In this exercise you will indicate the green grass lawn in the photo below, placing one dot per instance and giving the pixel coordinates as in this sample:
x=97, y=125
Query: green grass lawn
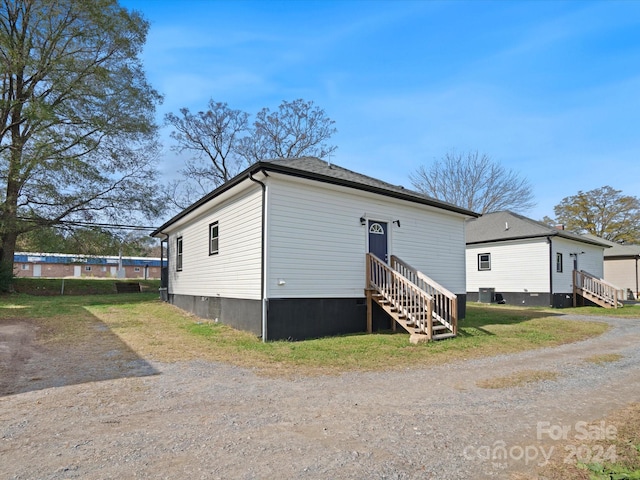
x=159, y=331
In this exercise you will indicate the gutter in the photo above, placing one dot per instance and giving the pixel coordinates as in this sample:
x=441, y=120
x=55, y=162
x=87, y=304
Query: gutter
x=264, y=167
x=263, y=269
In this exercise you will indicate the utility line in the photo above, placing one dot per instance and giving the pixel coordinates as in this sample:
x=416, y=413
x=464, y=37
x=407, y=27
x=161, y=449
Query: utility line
x=94, y=224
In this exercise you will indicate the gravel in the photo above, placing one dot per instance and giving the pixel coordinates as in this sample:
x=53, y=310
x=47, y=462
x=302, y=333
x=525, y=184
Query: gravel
x=210, y=420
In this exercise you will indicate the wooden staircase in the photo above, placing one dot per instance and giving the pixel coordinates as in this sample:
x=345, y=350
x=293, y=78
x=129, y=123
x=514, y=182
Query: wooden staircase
x=425, y=309
x=596, y=290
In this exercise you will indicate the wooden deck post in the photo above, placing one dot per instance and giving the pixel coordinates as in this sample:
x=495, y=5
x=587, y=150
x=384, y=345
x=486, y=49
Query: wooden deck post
x=430, y=320
x=454, y=315
x=575, y=299
x=368, y=293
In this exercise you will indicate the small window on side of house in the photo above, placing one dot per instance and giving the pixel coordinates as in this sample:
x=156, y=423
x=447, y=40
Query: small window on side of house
x=136, y=269
x=484, y=261
x=214, y=235
x=179, y=254
x=87, y=268
x=559, y=262
x=25, y=266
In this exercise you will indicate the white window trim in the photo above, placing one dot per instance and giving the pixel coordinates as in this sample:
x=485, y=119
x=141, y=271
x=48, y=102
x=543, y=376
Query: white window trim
x=214, y=226
x=480, y=262
x=179, y=253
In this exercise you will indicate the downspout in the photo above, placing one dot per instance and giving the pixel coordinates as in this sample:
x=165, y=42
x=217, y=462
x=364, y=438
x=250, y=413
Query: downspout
x=263, y=276
x=637, y=278
x=550, y=269
x=164, y=241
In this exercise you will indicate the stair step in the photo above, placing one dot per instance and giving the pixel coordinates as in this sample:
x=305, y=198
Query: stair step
x=442, y=336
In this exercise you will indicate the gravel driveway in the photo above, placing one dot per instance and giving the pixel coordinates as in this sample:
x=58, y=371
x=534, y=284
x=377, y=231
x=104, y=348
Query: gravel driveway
x=209, y=420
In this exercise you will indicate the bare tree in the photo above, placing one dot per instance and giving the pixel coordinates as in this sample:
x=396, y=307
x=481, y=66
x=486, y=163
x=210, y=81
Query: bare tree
x=222, y=143
x=475, y=182
x=213, y=138
x=296, y=129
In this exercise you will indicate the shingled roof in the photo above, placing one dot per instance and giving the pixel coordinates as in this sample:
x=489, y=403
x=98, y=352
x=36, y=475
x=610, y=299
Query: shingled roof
x=325, y=172
x=618, y=249
x=506, y=225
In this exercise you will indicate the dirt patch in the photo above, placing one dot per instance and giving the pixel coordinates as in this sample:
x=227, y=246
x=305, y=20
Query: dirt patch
x=95, y=409
x=30, y=360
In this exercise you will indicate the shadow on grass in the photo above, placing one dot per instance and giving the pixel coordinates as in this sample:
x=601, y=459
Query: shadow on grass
x=478, y=316
x=67, y=346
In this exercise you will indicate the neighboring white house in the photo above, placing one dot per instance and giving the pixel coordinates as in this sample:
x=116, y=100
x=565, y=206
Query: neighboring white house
x=280, y=249
x=621, y=267
x=525, y=262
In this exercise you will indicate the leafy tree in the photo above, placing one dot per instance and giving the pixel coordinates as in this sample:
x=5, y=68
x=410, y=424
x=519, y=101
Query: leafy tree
x=87, y=241
x=604, y=212
x=223, y=142
x=43, y=240
x=77, y=131
x=475, y=182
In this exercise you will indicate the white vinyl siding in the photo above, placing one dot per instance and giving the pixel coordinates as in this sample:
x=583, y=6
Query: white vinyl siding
x=526, y=265
x=317, y=243
x=516, y=266
x=590, y=259
x=235, y=272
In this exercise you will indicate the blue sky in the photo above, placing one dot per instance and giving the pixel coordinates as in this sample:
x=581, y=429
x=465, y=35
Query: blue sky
x=549, y=89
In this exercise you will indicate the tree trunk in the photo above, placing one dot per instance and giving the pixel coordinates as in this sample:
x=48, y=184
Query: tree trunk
x=7, y=249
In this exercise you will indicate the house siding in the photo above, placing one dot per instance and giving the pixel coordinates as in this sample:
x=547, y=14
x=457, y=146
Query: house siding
x=624, y=273
x=524, y=271
x=234, y=272
x=590, y=259
x=517, y=267
x=317, y=244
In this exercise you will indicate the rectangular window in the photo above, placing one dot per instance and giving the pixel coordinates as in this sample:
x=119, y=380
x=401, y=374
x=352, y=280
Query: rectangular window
x=25, y=266
x=104, y=269
x=87, y=268
x=484, y=261
x=559, y=262
x=179, y=254
x=136, y=269
x=213, y=238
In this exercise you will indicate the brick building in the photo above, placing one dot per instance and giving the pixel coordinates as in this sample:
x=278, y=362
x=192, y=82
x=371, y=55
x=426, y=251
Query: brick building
x=58, y=265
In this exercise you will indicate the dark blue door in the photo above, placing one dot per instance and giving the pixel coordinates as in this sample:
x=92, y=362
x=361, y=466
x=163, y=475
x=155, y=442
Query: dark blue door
x=378, y=239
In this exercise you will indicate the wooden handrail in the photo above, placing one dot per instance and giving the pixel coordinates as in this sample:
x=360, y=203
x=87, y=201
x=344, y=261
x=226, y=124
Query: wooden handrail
x=608, y=294
x=413, y=294
x=406, y=297
x=601, y=280
x=445, y=301
x=401, y=266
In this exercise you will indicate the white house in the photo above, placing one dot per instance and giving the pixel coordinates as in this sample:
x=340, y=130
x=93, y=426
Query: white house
x=280, y=249
x=525, y=262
